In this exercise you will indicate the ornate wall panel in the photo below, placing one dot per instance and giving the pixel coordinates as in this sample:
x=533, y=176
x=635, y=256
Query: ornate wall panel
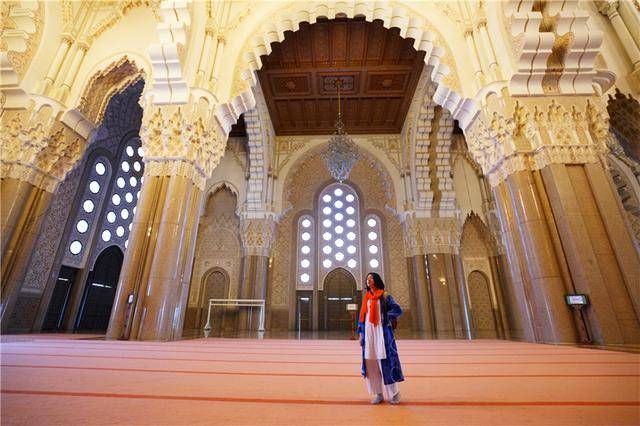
x=218, y=244
x=302, y=187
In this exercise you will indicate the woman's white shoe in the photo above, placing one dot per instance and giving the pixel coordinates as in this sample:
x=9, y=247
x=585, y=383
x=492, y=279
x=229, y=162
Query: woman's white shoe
x=378, y=399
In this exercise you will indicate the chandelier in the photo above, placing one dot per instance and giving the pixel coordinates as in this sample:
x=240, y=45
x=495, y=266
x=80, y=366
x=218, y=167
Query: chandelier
x=341, y=154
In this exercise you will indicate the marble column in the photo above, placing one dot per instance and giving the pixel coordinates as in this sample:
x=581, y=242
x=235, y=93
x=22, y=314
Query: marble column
x=421, y=295
x=446, y=313
x=538, y=260
x=23, y=209
x=463, y=296
x=610, y=10
x=588, y=246
x=152, y=293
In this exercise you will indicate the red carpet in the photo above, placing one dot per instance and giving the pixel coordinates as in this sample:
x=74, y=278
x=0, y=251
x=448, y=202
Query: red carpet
x=56, y=380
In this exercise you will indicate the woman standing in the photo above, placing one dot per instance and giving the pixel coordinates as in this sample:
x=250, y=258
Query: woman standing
x=380, y=362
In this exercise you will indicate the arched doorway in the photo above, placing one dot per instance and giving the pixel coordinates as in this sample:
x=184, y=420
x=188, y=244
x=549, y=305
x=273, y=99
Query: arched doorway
x=100, y=291
x=484, y=322
x=339, y=290
x=215, y=285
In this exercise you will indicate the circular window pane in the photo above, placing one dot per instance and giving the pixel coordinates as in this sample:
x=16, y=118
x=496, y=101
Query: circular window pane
x=305, y=249
x=75, y=247
x=372, y=236
x=326, y=236
x=326, y=249
x=100, y=169
x=133, y=181
x=129, y=197
x=306, y=223
x=140, y=152
x=373, y=249
x=306, y=236
x=338, y=192
x=350, y=210
x=326, y=198
x=124, y=213
x=339, y=216
x=126, y=244
x=351, y=223
x=304, y=278
x=125, y=166
x=351, y=236
x=134, y=210
x=339, y=243
x=326, y=210
x=120, y=231
x=351, y=263
x=115, y=199
x=305, y=263
x=326, y=223
x=130, y=225
x=82, y=226
x=138, y=194
x=371, y=222
x=350, y=198
x=338, y=204
x=339, y=256
x=130, y=151
x=137, y=166
x=88, y=206
x=326, y=263
x=94, y=187
x=373, y=263
x=339, y=229
x=106, y=235
x=111, y=217
x=120, y=182
x=351, y=249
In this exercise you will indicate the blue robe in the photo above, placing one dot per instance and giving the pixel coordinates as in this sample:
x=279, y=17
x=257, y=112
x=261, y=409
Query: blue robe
x=391, y=369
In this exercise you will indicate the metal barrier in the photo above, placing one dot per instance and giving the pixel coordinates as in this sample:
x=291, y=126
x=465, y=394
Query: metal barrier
x=236, y=302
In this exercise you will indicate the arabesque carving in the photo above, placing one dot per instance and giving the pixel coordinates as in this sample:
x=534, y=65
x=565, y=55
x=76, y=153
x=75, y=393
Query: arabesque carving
x=567, y=132
x=41, y=153
x=179, y=142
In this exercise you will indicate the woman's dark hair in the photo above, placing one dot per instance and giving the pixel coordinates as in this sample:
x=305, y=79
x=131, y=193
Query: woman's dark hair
x=377, y=280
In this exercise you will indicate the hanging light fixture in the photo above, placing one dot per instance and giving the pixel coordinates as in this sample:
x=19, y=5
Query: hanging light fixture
x=342, y=153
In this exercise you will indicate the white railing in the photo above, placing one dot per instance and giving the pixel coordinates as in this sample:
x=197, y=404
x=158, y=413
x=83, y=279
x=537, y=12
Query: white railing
x=237, y=302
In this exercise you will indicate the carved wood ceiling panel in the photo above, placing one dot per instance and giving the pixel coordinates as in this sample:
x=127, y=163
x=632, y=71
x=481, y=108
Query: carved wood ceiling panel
x=379, y=71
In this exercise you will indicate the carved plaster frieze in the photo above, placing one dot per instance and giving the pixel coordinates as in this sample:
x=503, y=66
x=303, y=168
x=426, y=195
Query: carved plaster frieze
x=179, y=142
x=571, y=132
x=426, y=235
x=22, y=24
x=258, y=235
x=38, y=151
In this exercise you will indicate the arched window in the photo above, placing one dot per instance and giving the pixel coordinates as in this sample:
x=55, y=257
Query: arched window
x=372, y=236
x=121, y=205
x=98, y=178
x=306, y=265
x=339, y=231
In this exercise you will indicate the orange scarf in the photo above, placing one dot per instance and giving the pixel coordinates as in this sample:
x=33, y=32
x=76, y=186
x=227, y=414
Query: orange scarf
x=374, y=317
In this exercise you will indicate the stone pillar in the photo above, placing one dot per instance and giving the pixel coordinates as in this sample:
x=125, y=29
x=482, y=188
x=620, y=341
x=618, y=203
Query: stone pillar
x=552, y=318
x=610, y=10
x=54, y=68
x=153, y=288
x=589, y=249
x=463, y=296
x=421, y=295
x=258, y=235
x=36, y=157
x=445, y=304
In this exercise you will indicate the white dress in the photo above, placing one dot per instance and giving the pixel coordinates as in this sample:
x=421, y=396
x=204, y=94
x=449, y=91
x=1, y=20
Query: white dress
x=373, y=352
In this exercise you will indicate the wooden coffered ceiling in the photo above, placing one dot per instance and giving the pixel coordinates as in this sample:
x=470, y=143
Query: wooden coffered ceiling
x=379, y=71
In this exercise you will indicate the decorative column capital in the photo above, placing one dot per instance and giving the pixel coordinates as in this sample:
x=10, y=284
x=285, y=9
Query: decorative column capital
x=41, y=153
x=177, y=141
x=258, y=235
x=529, y=134
x=609, y=8
x=425, y=235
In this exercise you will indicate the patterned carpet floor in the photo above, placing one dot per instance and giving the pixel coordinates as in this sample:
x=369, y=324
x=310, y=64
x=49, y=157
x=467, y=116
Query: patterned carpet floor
x=52, y=380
